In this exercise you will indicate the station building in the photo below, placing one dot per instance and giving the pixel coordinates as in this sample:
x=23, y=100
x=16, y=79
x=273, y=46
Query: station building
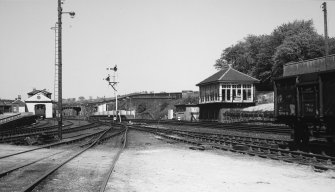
x=226, y=89
x=18, y=106
x=12, y=106
x=39, y=103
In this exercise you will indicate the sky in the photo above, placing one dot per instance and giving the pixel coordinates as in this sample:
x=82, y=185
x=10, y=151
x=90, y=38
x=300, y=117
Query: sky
x=158, y=45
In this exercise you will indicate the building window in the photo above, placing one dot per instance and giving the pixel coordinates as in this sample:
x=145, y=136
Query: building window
x=226, y=92
x=238, y=95
x=228, y=95
x=244, y=94
x=247, y=92
x=223, y=92
x=236, y=92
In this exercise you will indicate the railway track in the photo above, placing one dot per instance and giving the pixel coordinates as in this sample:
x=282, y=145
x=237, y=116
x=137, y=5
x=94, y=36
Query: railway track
x=33, y=129
x=53, y=144
x=250, y=146
x=245, y=126
x=49, y=131
x=229, y=137
x=69, y=153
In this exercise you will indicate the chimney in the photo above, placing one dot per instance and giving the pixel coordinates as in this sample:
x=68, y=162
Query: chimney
x=19, y=97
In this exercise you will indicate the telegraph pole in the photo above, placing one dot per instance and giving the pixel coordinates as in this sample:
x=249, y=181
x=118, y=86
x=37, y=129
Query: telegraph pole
x=60, y=114
x=59, y=62
x=324, y=8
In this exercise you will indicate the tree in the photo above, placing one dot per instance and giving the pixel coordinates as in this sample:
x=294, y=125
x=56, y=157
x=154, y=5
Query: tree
x=263, y=56
x=298, y=47
x=252, y=56
x=290, y=29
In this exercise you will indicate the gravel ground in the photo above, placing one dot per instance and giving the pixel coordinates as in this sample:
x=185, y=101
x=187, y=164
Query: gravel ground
x=152, y=164
x=19, y=179
x=85, y=172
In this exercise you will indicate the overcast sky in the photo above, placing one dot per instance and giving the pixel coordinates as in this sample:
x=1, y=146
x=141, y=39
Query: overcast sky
x=158, y=45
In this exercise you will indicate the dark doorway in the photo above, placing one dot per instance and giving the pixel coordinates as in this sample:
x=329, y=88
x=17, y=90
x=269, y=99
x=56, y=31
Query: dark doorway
x=40, y=110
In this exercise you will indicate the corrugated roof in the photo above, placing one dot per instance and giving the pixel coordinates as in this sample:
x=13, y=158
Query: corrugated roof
x=229, y=75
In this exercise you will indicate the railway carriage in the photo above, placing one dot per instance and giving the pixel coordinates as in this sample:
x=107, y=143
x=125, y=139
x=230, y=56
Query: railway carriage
x=305, y=99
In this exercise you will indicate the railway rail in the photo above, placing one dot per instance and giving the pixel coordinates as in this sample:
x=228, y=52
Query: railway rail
x=107, y=176
x=265, y=149
x=89, y=142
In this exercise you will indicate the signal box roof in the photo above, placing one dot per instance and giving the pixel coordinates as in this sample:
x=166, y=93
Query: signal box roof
x=229, y=75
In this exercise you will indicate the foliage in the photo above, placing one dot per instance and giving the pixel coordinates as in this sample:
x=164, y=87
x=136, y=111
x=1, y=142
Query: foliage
x=141, y=108
x=163, y=106
x=263, y=56
x=296, y=48
x=81, y=98
x=191, y=100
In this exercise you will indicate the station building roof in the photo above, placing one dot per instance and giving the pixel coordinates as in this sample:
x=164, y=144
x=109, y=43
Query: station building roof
x=19, y=103
x=229, y=75
x=44, y=92
x=35, y=91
